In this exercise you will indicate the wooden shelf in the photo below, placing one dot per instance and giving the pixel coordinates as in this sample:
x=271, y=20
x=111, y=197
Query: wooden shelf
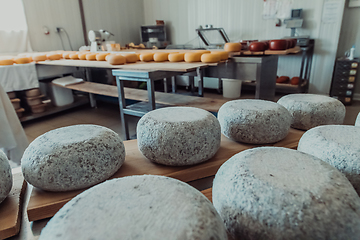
x=79, y=101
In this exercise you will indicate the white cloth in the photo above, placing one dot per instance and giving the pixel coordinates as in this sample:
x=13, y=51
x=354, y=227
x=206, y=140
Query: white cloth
x=18, y=77
x=12, y=136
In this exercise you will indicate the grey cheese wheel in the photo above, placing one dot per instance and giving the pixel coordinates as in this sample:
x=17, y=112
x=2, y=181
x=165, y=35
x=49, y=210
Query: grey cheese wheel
x=73, y=157
x=135, y=208
x=312, y=110
x=5, y=176
x=178, y=136
x=357, y=121
x=337, y=145
x=280, y=193
x=254, y=121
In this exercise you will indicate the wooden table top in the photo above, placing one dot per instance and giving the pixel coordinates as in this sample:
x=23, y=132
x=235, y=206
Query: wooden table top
x=43, y=204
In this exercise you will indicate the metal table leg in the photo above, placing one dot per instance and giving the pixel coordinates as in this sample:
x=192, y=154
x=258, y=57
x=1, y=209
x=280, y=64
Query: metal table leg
x=200, y=74
x=165, y=85
x=151, y=93
x=122, y=105
x=173, y=84
x=191, y=83
x=91, y=96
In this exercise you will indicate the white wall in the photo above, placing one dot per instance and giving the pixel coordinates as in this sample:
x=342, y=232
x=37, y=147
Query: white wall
x=242, y=19
x=121, y=17
x=54, y=13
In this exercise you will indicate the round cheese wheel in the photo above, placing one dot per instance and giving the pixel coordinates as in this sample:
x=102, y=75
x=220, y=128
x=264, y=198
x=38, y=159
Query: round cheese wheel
x=5, y=176
x=311, y=110
x=232, y=47
x=146, y=57
x=107, y=56
x=254, y=121
x=22, y=60
x=161, y=57
x=203, y=51
x=295, y=81
x=73, y=157
x=223, y=54
x=178, y=136
x=280, y=193
x=176, y=57
x=39, y=57
x=6, y=62
x=138, y=56
x=53, y=56
x=137, y=207
x=337, y=145
x=74, y=56
x=131, y=57
x=357, y=121
x=66, y=55
x=210, y=58
x=114, y=59
x=82, y=55
x=101, y=56
x=282, y=79
x=192, y=57
x=91, y=56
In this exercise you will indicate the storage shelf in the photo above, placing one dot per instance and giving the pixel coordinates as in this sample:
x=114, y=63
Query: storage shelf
x=79, y=101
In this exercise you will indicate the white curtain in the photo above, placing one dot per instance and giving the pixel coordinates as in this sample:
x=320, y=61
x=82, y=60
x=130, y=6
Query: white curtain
x=13, y=28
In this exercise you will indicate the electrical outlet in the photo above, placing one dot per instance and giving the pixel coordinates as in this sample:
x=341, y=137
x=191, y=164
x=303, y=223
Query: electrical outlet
x=58, y=29
x=46, y=30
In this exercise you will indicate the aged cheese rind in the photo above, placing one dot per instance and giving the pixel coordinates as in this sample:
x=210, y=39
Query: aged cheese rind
x=254, y=121
x=337, y=145
x=73, y=157
x=311, y=110
x=5, y=177
x=178, y=136
x=137, y=208
x=279, y=193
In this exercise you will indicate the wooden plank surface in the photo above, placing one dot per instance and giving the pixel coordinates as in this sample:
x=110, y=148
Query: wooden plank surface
x=43, y=204
x=208, y=193
x=11, y=208
x=209, y=104
x=147, y=66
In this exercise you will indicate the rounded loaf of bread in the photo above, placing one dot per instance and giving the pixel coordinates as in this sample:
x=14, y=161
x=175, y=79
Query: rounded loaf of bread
x=311, y=110
x=178, y=136
x=5, y=176
x=139, y=208
x=337, y=145
x=280, y=193
x=72, y=157
x=254, y=121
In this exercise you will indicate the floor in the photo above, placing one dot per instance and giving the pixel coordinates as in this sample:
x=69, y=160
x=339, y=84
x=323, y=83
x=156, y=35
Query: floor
x=107, y=115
